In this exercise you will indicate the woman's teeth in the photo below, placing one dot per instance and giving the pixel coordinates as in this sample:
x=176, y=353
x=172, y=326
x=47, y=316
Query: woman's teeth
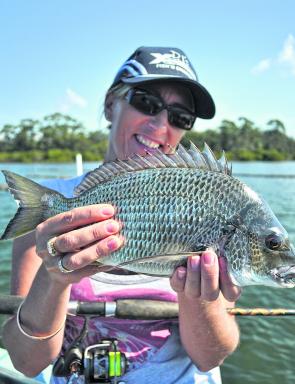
x=147, y=142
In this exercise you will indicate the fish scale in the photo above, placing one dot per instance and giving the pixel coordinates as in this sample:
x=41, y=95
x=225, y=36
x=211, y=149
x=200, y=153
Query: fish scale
x=158, y=195
x=172, y=206
x=170, y=190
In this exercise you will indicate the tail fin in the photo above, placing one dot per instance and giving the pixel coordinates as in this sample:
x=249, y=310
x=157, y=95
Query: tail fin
x=31, y=207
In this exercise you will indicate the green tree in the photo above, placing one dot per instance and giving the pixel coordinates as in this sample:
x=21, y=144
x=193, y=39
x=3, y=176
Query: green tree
x=7, y=133
x=275, y=138
x=277, y=125
x=249, y=138
x=60, y=131
x=229, y=133
x=25, y=136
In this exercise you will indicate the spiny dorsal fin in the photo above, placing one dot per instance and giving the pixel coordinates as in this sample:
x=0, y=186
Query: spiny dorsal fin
x=181, y=158
x=210, y=158
x=224, y=164
x=197, y=157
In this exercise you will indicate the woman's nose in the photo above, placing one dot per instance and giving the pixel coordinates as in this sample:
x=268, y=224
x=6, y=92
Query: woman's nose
x=160, y=121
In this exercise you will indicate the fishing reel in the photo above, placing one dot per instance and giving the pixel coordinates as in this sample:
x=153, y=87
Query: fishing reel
x=99, y=363
x=103, y=363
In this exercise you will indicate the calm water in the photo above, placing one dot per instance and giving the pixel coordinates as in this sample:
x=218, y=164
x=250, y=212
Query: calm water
x=267, y=347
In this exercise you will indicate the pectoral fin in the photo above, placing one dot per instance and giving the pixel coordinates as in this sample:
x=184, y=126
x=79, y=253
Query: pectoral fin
x=169, y=257
x=173, y=259
x=158, y=265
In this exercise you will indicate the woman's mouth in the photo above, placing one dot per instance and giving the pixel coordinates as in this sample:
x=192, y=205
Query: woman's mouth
x=147, y=142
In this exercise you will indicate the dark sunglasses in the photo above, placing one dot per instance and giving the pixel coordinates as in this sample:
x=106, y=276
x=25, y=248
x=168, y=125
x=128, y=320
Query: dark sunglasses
x=151, y=104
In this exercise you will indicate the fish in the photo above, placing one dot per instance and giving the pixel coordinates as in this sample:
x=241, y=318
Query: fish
x=172, y=206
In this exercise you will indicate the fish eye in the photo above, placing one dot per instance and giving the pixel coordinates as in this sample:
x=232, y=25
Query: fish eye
x=274, y=241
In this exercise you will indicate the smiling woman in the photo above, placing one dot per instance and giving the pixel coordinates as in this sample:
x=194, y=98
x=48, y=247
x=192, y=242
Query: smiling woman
x=158, y=95
x=154, y=99
x=149, y=130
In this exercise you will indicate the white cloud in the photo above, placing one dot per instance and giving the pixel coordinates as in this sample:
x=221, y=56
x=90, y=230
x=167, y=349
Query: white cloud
x=287, y=55
x=71, y=100
x=262, y=66
x=75, y=99
x=285, y=58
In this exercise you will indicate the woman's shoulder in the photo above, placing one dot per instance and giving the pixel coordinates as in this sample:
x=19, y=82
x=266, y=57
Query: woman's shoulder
x=64, y=186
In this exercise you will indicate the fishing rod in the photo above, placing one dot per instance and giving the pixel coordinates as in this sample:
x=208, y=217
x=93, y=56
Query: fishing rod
x=139, y=309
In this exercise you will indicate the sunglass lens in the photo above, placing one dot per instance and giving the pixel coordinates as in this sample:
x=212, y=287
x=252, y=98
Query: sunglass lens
x=146, y=103
x=181, y=119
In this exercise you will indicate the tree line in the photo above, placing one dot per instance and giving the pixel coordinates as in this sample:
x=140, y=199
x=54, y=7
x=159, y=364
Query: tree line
x=58, y=137
x=55, y=138
x=245, y=141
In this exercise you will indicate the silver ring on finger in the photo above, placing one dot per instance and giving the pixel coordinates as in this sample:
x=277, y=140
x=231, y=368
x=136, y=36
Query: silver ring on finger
x=51, y=247
x=61, y=267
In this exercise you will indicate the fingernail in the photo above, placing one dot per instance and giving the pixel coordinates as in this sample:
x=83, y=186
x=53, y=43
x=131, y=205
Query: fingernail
x=112, y=227
x=208, y=258
x=181, y=273
x=195, y=262
x=112, y=244
x=108, y=210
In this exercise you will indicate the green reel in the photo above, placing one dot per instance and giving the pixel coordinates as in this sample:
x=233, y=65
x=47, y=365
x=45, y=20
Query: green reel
x=103, y=363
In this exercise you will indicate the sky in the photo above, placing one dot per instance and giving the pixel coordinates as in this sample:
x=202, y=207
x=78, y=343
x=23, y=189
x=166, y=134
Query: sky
x=62, y=55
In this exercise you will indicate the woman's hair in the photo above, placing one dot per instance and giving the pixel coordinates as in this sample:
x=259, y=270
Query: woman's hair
x=118, y=91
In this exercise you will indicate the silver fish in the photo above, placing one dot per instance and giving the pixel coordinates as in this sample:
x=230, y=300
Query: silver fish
x=172, y=206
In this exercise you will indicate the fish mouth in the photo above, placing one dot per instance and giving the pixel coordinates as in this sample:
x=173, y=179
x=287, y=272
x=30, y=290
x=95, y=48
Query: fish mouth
x=284, y=275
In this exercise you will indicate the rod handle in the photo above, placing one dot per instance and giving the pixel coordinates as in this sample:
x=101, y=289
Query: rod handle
x=146, y=309
x=9, y=304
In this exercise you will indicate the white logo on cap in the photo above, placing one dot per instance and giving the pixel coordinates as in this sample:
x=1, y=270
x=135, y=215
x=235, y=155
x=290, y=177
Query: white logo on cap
x=173, y=60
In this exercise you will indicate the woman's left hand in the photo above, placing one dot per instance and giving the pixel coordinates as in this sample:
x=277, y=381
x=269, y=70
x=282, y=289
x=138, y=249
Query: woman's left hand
x=205, y=291
x=205, y=276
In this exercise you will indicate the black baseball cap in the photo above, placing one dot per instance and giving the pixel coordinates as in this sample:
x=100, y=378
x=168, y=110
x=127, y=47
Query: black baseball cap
x=152, y=64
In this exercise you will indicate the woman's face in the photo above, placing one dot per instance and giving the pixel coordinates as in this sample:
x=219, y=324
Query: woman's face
x=133, y=132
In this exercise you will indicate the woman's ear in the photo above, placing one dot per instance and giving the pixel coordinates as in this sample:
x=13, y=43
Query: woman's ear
x=108, y=107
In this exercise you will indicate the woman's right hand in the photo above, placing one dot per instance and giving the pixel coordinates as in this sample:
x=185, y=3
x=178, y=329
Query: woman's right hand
x=81, y=236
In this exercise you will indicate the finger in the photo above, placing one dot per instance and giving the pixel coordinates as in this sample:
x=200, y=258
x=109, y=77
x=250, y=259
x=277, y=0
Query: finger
x=78, y=260
x=193, y=279
x=82, y=237
x=230, y=291
x=77, y=217
x=76, y=276
x=209, y=276
x=177, y=280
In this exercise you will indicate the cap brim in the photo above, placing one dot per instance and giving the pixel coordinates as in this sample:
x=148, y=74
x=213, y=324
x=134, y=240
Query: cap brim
x=205, y=107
